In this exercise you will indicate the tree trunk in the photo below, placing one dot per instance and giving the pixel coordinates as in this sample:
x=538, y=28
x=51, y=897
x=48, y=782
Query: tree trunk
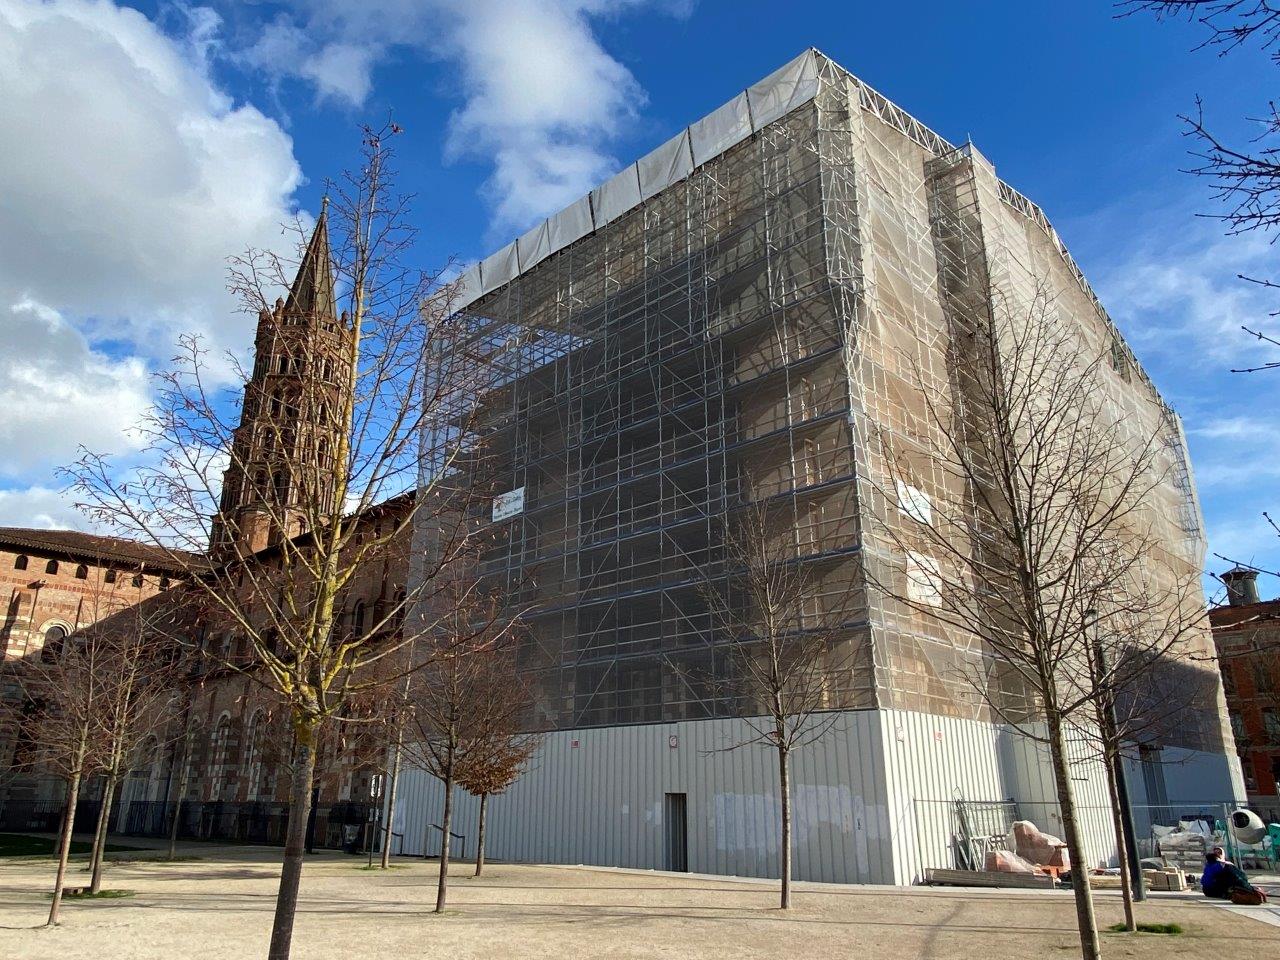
x=446, y=821
x=295, y=842
x=1090, y=948
x=177, y=816
x=484, y=803
x=100, y=835
x=784, y=789
x=64, y=847
x=392, y=779
x=1117, y=824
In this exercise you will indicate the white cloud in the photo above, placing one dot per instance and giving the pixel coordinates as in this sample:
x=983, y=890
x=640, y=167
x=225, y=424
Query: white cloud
x=1237, y=452
x=59, y=394
x=542, y=97
x=1171, y=281
x=1177, y=288
x=39, y=507
x=127, y=176
x=340, y=71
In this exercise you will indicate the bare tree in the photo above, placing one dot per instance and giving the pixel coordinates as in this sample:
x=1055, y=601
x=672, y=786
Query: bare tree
x=316, y=477
x=497, y=753
x=1230, y=23
x=142, y=665
x=780, y=619
x=1149, y=681
x=400, y=716
x=56, y=725
x=1039, y=518
x=460, y=694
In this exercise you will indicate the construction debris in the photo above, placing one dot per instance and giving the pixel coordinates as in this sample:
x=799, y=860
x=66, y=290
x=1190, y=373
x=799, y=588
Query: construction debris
x=1039, y=848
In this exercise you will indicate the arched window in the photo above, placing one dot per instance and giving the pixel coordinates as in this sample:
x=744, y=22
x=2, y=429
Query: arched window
x=143, y=772
x=137, y=579
x=51, y=566
x=220, y=754
x=255, y=738
x=282, y=364
x=82, y=572
x=54, y=638
x=109, y=576
x=357, y=619
x=193, y=757
x=281, y=484
x=20, y=562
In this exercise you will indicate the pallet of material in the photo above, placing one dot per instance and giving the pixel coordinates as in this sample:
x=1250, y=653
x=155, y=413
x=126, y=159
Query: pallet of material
x=1104, y=881
x=937, y=876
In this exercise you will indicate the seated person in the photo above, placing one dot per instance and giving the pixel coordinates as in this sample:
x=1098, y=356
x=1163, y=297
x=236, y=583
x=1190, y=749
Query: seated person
x=1223, y=880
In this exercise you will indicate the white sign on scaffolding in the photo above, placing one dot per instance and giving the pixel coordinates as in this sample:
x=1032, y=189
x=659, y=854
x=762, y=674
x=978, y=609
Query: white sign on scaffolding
x=508, y=504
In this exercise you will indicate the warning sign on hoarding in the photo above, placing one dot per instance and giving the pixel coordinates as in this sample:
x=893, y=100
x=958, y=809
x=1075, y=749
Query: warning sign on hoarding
x=508, y=504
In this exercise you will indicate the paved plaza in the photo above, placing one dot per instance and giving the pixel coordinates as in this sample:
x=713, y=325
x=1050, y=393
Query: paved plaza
x=219, y=906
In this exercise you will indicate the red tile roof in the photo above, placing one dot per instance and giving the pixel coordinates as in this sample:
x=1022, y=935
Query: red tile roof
x=98, y=549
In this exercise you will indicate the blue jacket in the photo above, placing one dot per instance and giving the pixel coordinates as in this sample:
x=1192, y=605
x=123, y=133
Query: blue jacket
x=1219, y=879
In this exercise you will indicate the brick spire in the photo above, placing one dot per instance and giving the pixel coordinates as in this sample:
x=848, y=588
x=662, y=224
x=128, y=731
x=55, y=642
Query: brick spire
x=280, y=478
x=312, y=291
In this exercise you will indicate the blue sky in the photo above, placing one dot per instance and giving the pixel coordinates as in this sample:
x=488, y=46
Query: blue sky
x=185, y=132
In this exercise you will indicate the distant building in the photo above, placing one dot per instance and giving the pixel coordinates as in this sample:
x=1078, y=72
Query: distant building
x=1246, y=632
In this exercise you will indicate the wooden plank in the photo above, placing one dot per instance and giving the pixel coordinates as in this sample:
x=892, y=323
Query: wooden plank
x=986, y=878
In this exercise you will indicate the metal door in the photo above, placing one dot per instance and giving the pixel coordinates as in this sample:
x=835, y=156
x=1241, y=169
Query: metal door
x=677, y=831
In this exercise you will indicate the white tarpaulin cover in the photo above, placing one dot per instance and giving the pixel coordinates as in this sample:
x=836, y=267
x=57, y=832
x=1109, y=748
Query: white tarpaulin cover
x=534, y=246
x=616, y=196
x=572, y=223
x=720, y=129
x=776, y=95
x=783, y=90
x=669, y=164
x=469, y=284
x=499, y=268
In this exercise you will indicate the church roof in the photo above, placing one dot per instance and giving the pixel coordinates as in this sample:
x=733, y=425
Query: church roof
x=96, y=549
x=312, y=291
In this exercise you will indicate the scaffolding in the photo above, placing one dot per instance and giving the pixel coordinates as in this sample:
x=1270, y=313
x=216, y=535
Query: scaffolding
x=728, y=321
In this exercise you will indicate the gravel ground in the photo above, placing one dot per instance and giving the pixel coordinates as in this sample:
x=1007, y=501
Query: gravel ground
x=220, y=907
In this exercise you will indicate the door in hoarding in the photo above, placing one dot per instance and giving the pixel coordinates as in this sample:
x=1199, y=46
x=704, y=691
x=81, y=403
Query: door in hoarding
x=677, y=831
